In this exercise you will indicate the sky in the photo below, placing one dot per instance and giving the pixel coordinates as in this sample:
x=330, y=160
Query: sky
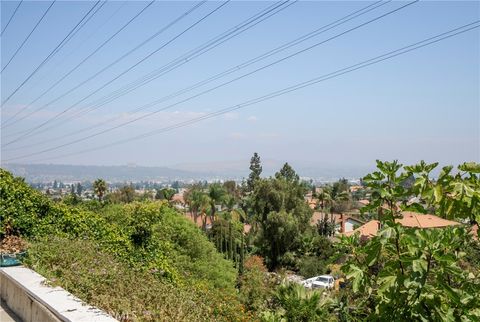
x=421, y=105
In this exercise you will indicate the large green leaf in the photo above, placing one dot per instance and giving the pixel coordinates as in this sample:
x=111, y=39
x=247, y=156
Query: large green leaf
x=472, y=167
x=357, y=275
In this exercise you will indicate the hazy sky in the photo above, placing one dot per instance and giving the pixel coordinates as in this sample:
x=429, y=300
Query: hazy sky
x=421, y=105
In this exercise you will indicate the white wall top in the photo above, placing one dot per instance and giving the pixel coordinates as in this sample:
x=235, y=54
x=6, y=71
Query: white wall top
x=62, y=304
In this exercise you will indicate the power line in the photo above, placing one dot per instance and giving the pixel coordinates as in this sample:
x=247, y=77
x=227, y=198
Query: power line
x=64, y=59
x=153, y=36
x=216, y=40
x=53, y=52
x=64, y=111
x=124, y=72
x=11, y=17
x=209, y=45
x=249, y=62
x=247, y=74
x=81, y=62
x=337, y=73
x=340, y=72
x=28, y=36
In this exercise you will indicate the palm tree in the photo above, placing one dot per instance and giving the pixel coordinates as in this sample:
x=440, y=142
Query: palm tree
x=298, y=304
x=198, y=202
x=203, y=203
x=99, y=188
x=217, y=193
x=324, y=197
x=338, y=199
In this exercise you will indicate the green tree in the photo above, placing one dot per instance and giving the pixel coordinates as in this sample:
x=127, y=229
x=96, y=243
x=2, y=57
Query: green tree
x=216, y=194
x=165, y=194
x=80, y=189
x=231, y=188
x=255, y=171
x=282, y=215
x=254, y=288
x=127, y=193
x=99, y=188
x=340, y=186
x=198, y=202
x=324, y=198
x=287, y=173
x=417, y=274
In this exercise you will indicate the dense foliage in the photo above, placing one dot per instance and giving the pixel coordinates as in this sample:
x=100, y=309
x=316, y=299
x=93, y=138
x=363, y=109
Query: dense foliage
x=233, y=263
x=148, y=238
x=281, y=214
x=418, y=274
x=83, y=268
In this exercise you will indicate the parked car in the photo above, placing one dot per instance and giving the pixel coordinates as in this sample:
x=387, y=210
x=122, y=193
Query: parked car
x=322, y=281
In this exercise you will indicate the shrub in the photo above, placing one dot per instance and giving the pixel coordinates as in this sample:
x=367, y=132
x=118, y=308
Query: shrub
x=255, y=288
x=83, y=268
x=296, y=304
x=153, y=259
x=310, y=266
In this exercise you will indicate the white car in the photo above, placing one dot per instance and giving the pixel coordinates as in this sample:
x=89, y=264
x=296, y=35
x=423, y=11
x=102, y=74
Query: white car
x=322, y=281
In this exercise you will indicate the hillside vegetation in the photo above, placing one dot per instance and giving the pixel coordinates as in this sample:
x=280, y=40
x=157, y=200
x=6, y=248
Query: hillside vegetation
x=134, y=255
x=139, y=261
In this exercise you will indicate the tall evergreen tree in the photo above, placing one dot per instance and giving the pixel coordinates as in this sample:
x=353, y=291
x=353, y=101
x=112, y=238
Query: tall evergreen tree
x=256, y=170
x=79, y=189
x=287, y=173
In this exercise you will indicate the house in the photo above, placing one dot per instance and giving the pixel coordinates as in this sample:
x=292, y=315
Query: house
x=408, y=219
x=178, y=201
x=312, y=202
x=355, y=188
x=178, y=198
x=343, y=223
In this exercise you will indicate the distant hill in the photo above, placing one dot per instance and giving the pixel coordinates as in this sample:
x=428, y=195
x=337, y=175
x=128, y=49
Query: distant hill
x=184, y=172
x=66, y=173
x=306, y=169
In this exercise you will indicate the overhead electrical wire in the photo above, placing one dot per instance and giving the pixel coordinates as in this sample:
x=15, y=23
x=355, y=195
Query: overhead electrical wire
x=11, y=17
x=81, y=62
x=59, y=64
x=337, y=73
x=178, y=62
x=28, y=36
x=257, y=16
x=245, y=75
x=144, y=42
x=249, y=62
x=53, y=52
x=264, y=14
x=125, y=71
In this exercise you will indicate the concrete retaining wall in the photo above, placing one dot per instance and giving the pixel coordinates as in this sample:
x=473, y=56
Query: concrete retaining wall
x=25, y=293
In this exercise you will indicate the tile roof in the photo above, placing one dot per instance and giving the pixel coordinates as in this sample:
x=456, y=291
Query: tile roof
x=178, y=197
x=367, y=230
x=413, y=219
x=317, y=215
x=409, y=219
